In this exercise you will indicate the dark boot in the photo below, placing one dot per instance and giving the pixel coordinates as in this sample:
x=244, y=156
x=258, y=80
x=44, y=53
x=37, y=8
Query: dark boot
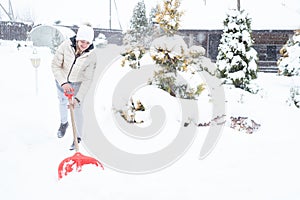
x=62, y=130
x=73, y=144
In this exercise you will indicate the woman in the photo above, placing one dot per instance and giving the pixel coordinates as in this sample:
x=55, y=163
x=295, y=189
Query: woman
x=73, y=67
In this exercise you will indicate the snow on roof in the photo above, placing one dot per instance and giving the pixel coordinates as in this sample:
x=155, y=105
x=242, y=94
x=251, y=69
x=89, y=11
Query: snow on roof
x=64, y=31
x=49, y=35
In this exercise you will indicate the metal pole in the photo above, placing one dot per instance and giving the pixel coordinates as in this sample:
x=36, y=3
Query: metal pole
x=35, y=61
x=36, y=81
x=238, y=5
x=109, y=14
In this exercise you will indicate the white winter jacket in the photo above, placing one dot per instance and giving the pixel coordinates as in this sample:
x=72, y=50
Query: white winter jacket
x=69, y=69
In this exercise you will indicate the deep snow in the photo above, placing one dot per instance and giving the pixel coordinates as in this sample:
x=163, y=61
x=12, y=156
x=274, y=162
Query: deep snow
x=263, y=165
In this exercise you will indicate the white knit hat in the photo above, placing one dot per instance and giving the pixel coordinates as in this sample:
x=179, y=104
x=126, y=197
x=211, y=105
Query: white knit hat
x=85, y=33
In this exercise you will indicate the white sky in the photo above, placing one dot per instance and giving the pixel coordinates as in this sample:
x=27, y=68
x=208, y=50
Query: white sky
x=278, y=14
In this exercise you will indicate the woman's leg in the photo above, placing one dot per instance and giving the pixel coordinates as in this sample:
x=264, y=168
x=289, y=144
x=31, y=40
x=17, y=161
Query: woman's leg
x=63, y=111
x=63, y=104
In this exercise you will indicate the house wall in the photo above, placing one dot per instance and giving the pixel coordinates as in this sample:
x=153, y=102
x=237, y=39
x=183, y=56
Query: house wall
x=266, y=42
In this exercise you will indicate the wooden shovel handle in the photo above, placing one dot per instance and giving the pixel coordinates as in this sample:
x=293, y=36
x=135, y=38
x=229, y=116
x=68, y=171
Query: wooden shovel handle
x=71, y=107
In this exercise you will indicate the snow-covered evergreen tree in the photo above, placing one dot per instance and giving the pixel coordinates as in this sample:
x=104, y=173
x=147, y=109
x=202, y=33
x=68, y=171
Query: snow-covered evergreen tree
x=237, y=59
x=289, y=62
x=139, y=21
x=138, y=25
x=137, y=37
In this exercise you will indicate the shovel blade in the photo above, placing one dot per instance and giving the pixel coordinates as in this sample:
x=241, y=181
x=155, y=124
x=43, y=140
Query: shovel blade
x=76, y=162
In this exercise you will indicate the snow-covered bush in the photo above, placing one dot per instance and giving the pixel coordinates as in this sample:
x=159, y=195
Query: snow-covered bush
x=170, y=52
x=175, y=63
x=199, y=61
x=237, y=59
x=100, y=40
x=294, y=98
x=134, y=112
x=289, y=65
x=289, y=62
x=170, y=56
x=132, y=56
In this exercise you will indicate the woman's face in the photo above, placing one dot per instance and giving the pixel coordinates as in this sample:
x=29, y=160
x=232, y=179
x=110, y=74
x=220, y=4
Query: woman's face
x=83, y=45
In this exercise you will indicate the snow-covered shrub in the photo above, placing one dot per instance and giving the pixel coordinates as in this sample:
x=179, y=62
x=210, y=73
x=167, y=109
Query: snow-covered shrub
x=237, y=59
x=170, y=52
x=294, y=96
x=100, y=40
x=199, y=61
x=289, y=62
x=170, y=55
x=132, y=56
x=134, y=112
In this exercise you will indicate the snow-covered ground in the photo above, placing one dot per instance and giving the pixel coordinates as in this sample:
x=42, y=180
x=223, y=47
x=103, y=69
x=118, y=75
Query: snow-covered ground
x=263, y=165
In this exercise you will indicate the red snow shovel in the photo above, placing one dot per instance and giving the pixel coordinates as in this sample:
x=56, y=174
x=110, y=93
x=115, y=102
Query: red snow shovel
x=77, y=160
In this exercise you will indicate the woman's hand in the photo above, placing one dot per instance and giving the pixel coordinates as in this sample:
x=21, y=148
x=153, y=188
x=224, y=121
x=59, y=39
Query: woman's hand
x=75, y=102
x=67, y=88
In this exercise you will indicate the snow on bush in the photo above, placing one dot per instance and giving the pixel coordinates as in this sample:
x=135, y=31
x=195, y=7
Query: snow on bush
x=289, y=62
x=289, y=65
x=100, y=41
